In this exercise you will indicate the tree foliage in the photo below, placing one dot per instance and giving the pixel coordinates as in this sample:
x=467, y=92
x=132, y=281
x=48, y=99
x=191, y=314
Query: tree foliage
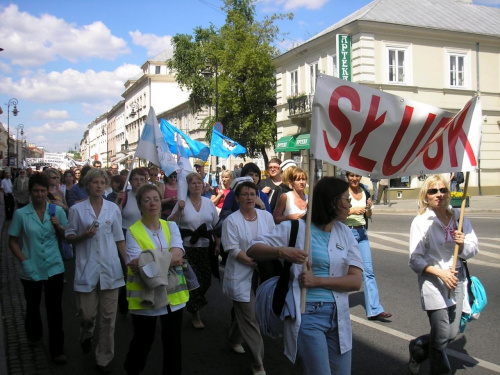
x=241, y=53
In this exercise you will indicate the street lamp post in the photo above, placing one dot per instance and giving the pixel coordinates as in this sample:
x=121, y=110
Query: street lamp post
x=19, y=127
x=208, y=75
x=12, y=102
x=133, y=113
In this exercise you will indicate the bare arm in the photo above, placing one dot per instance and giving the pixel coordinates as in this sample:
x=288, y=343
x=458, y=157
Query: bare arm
x=243, y=258
x=122, y=250
x=261, y=252
x=175, y=216
x=348, y=283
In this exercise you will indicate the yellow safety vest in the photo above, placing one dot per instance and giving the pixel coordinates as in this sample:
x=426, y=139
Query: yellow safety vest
x=179, y=295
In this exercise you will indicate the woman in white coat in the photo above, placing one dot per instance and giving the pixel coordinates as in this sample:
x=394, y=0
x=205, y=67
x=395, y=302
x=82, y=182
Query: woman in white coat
x=433, y=236
x=238, y=230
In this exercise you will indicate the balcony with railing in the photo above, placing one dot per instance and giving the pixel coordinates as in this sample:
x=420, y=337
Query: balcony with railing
x=300, y=106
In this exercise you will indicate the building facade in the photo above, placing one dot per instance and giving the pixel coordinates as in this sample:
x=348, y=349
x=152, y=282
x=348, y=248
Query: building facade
x=437, y=52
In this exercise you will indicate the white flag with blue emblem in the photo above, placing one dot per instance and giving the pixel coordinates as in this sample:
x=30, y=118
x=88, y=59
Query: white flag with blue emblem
x=153, y=146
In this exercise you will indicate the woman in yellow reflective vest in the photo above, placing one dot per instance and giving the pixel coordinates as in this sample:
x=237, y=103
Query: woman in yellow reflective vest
x=151, y=233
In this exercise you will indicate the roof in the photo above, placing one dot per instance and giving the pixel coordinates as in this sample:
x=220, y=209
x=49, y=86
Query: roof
x=450, y=15
x=164, y=56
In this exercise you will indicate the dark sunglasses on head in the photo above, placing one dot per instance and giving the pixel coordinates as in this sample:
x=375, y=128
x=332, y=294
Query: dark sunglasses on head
x=435, y=191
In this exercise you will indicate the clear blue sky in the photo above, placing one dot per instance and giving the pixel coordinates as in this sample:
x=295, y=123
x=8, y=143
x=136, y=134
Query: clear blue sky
x=67, y=61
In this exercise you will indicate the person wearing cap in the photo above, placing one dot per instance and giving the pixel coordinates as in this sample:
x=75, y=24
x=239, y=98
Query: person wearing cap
x=261, y=201
x=273, y=186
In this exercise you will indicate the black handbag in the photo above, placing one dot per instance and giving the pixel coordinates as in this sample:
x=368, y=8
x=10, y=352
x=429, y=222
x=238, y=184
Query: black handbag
x=282, y=285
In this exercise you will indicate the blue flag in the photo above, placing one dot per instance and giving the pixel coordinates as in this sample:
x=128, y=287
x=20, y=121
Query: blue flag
x=192, y=148
x=223, y=146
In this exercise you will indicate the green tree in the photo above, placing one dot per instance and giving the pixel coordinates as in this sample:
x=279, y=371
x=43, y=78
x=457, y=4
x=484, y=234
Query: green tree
x=241, y=53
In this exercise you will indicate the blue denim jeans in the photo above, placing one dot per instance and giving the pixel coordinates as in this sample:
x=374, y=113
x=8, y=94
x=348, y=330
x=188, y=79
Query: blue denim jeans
x=445, y=325
x=372, y=300
x=318, y=341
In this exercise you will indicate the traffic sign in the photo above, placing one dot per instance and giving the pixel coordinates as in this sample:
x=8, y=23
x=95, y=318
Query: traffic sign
x=219, y=127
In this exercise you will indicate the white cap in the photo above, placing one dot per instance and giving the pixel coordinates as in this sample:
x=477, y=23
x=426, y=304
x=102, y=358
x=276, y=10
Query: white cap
x=287, y=164
x=239, y=180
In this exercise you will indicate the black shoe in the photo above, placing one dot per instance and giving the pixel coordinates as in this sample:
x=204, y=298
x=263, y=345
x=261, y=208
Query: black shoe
x=383, y=316
x=86, y=345
x=104, y=369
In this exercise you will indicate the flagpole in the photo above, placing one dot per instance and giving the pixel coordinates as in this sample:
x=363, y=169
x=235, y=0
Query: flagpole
x=460, y=223
x=307, y=240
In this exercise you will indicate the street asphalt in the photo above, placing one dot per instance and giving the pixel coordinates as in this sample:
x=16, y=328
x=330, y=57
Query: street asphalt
x=17, y=357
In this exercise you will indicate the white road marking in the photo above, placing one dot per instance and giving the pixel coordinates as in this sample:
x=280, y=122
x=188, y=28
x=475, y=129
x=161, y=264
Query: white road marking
x=462, y=356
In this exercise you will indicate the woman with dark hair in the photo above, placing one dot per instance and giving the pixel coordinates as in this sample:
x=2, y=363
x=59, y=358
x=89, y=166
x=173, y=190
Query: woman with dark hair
x=360, y=203
x=127, y=200
x=273, y=186
x=237, y=232
x=78, y=192
x=69, y=180
x=170, y=195
x=94, y=228
x=261, y=201
x=42, y=265
x=162, y=239
x=433, y=236
x=196, y=217
x=117, y=183
x=321, y=337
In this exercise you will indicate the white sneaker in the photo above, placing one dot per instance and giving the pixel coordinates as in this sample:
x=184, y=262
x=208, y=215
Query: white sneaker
x=413, y=365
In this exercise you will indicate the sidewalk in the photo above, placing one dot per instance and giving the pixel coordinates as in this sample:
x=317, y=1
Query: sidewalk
x=17, y=357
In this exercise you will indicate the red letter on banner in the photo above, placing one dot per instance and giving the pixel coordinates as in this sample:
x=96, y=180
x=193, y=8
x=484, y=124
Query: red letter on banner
x=371, y=123
x=388, y=168
x=339, y=120
x=435, y=162
x=455, y=131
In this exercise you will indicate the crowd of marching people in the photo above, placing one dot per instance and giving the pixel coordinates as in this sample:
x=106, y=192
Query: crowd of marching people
x=143, y=247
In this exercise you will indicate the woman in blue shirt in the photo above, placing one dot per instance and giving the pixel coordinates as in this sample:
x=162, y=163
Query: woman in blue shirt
x=42, y=265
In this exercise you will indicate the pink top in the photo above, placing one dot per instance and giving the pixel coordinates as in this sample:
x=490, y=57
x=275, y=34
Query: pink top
x=167, y=207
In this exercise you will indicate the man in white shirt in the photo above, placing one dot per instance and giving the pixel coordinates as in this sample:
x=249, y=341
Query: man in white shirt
x=6, y=187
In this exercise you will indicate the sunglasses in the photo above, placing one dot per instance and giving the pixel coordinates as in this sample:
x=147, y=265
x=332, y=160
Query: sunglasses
x=435, y=191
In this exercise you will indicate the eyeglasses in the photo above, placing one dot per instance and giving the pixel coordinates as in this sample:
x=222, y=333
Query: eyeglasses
x=347, y=199
x=149, y=201
x=273, y=167
x=435, y=191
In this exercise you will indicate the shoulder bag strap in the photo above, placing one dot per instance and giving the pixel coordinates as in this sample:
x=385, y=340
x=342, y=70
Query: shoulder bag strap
x=281, y=289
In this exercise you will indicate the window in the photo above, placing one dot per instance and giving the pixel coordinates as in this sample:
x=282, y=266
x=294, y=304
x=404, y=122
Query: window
x=157, y=69
x=398, y=64
x=294, y=83
x=335, y=73
x=457, y=73
x=313, y=74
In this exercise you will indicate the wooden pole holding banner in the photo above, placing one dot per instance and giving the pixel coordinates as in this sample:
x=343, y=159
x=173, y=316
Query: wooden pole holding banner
x=460, y=223
x=307, y=239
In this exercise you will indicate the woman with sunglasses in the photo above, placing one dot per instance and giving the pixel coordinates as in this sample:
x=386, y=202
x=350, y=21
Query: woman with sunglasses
x=169, y=195
x=360, y=203
x=433, y=236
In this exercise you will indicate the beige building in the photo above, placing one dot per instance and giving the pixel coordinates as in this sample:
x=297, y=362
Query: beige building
x=437, y=52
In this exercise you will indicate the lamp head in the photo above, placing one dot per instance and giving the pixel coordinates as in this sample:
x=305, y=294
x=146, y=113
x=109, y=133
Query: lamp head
x=15, y=111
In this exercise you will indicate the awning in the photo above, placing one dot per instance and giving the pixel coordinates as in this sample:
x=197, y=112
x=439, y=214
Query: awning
x=285, y=144
x=302, y=142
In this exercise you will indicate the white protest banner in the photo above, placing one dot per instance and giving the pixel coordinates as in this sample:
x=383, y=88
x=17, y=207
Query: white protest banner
x=367, y=131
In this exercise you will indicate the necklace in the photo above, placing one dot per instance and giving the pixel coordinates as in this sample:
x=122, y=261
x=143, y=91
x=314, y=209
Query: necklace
x=196, y=204
x=154, y=227
x=250, y=218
